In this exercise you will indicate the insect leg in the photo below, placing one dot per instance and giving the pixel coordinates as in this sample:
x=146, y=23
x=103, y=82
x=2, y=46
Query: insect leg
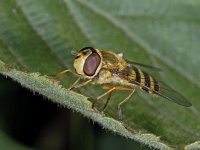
x=122, y=102
x=75, y=85
x=71, y=87
x=107, y=92
x=106, y=104
x=100, y=96
x=108, y=86
x=60, y=74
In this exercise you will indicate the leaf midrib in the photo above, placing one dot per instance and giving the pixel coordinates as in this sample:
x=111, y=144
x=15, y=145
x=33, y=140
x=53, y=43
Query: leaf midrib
x=40, y=36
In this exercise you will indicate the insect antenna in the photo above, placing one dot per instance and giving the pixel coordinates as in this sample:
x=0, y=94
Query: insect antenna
x=74, y=52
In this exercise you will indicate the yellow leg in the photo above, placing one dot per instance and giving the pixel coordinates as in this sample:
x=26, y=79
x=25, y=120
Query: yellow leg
x=107, y=101
x=109, y=92
x=75, y=85
x=100, y=96
x=122, y=102
x=72, y=86
x=60, y=74
x=108, y=86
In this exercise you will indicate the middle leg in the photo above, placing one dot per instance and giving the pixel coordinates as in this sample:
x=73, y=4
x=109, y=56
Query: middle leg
x=109, y=92
x=100, y=96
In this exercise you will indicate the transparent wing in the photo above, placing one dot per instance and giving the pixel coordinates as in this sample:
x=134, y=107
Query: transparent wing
x=144, y=65
x=172, y=95
x=166, y=92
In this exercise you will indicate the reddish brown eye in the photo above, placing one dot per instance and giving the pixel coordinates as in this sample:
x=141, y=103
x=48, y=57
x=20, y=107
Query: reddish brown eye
x=91, y=64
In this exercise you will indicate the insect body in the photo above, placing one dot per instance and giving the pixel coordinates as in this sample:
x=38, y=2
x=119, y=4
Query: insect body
x=113, y=72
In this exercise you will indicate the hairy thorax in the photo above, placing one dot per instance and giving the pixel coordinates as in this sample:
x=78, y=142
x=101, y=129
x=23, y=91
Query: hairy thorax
x=112, y=70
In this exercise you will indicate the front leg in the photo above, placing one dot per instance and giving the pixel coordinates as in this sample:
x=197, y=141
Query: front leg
x=75, y=85
x=60, y=74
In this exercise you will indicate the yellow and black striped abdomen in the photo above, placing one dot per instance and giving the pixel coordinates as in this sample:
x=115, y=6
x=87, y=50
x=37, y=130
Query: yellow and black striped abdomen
x=143, y=80
x=152, y=86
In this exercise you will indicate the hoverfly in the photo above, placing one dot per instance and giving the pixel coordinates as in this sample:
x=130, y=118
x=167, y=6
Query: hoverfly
x=113, y=72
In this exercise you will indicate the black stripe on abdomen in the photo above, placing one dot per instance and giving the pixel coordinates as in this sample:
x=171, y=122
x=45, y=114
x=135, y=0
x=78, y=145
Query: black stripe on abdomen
x=137, y=74
x=147, y=82
x=156, y=86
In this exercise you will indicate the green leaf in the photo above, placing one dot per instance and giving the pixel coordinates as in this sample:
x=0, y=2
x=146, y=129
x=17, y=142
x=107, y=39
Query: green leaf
x=37, y=36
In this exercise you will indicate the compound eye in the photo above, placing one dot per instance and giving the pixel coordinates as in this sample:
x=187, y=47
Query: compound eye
x=91, y=64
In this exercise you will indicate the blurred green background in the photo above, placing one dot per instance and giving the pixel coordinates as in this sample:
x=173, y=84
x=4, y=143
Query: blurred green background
x=38, y=36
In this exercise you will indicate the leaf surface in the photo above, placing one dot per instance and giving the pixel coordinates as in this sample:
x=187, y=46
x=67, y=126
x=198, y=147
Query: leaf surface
x=37, y=36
